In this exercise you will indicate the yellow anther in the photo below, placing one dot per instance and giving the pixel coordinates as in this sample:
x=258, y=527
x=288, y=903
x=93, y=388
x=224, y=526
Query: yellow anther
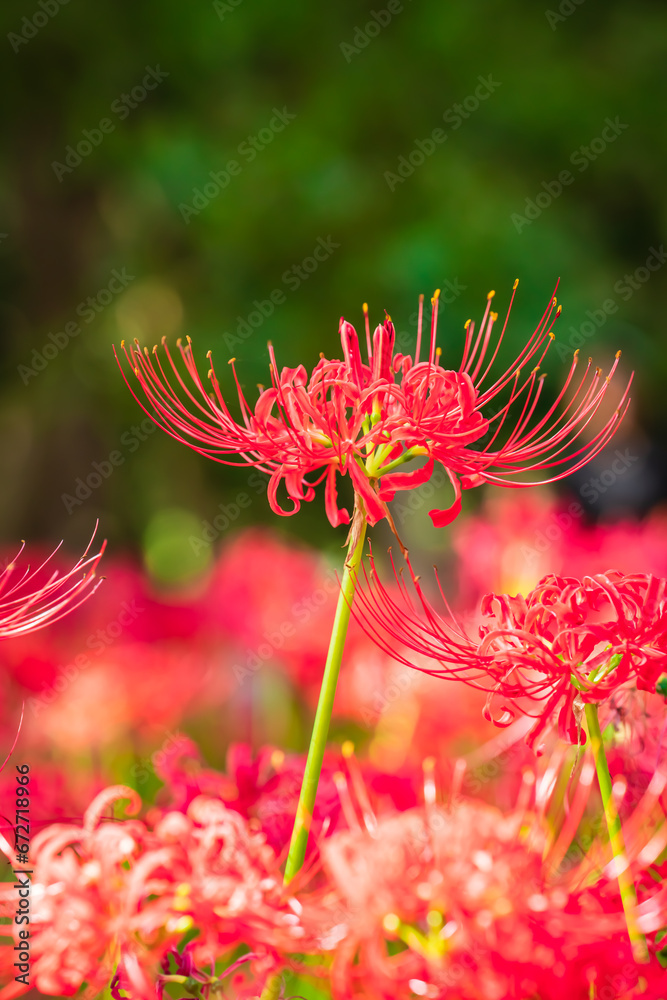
x=436, y=295
x=438, y=352
x=182, y=924
x=494, y=317
x=208, y=354
x=515, y=285
x=388, y=319
x=179, y=342
x=559, y=310
x=164, y=341
x=490, y=295
x=347, y=749
x=122, y=345
x=467, y=324
x=552, y=334
x=421, y=298
x=231, y=361
x=184, y=889
x=365, y=308
x=618, y=354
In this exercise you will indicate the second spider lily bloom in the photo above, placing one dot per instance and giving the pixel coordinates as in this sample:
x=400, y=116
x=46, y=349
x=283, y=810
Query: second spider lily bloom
x=568, y=643
x=366, y=419
x=31, y=598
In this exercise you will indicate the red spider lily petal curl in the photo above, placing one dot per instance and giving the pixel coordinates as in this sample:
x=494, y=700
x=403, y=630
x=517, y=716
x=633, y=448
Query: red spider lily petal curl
x=368, y=419
x=566, y=643
x=32, y=598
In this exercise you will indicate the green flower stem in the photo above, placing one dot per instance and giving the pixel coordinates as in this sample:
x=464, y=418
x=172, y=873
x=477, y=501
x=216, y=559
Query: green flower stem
x=272, y=989
x=311, y=777
x=625, y=883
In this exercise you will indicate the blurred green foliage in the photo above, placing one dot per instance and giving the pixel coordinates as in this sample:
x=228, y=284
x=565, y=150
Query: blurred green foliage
x=361, y=97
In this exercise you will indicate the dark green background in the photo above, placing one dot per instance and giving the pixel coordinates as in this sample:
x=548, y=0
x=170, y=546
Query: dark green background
x=322, y=176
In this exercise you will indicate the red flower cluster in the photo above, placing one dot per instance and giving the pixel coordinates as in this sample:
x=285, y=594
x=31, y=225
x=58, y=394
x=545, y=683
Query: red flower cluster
x=567, y=643
x=368, y=419
x=436, y=902
x=117, y=896
x=406, y=900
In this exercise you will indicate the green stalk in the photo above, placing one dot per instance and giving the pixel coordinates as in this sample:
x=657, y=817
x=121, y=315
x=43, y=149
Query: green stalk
x=272, y=989
x=311, y=777
x=625, y=883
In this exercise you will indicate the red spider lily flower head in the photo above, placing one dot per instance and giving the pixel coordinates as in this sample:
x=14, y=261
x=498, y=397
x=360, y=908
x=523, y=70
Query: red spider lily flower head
x=437, y=902
x=566, y=643
x=472, y=902
x=114, y=897
x=32, y=598
x=367, y=419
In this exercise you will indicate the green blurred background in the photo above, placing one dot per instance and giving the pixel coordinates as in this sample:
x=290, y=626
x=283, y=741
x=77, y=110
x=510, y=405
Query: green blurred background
x=362, y=88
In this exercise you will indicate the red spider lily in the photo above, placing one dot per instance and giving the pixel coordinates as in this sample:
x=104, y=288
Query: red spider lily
x=117, y=897
x=367, y=420
x=29, y=602
x=568, y=642
x=435, y=902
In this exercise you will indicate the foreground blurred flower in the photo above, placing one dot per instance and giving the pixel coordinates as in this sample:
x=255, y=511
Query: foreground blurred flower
x=358, y=418
x=457, y=901
x=116, y=897
x=30, y=599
